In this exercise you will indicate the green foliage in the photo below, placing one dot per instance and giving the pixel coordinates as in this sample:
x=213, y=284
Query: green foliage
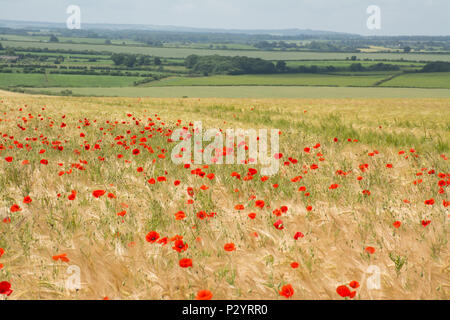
x=438, y=66
x=228, y=65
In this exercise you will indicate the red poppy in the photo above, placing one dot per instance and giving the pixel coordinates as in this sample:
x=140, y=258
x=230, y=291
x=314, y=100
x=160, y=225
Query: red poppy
x=2, y=252
x=279, y=225
x=286, y=291
x=62, y=257
x=9, y=159
x=204, y=295
x=298, y=235
x=239, y=207
x=180, y=246
x=98, y=193
x=397, y=224
x=185, y=263
x=229, y=247
x=5, y=288
x=294, y=265
x=180, y=215
x=343, y=291
x=15, y=208
x=429, y=202
x=354, y=284
x=426, y=222
x=152, y=236
x=252, y=215
x=370, y=250
x=27, y=200
x=259, y=203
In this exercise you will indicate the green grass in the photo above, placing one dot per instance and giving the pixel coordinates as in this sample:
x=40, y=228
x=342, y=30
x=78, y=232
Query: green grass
x=268, y=55
x=63, y=80
x=421, y=80
x=256, y=92
x=273, y=80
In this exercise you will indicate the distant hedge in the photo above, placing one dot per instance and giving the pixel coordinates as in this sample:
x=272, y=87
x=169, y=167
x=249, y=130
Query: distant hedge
x=437, y=67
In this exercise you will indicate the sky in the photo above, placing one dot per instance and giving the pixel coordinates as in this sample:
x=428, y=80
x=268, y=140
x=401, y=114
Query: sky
x=398, y=17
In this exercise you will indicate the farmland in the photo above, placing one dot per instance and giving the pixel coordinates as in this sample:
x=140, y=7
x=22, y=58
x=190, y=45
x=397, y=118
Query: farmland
x=89, y=182
x=184, y=52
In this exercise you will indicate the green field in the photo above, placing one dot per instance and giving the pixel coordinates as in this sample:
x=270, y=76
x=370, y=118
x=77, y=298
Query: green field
x=299, y=79
x=255, y=92
x=267, y=55
x=63, y=80
x=421, y=80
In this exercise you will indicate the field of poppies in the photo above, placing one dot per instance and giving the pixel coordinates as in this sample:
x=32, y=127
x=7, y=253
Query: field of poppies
x=93, y=207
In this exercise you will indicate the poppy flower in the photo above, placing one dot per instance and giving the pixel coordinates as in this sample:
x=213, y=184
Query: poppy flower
x=98, y=193
x=354, y=284
x=180, y=215
x=429, y=202
x=298, y=235
x=252, y=215
x=294, y=265
x=5, y=288
x=9, y=159
x=278, y=225
x=343, y=291
x=229, y=247
x=15, y=208
x=72, y=196
x=2, y=252
x=201, y=215
x=180, y=246
x=426, y=222
x=136, y=152
x=286, y=291
x=239, y=207
x=397, y=224
x=259, y=203
x=62, y=257
x=27, y=200
x=152, y=236
x=333, y=186
x=185, y=263
x=370, y=250
x=278, y=156
x=204, y=295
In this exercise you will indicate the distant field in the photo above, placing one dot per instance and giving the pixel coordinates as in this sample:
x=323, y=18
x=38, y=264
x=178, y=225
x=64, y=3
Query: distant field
x=272, y=80
x=256, y=92
x=422, y=80
x=63, y=80
x=268, y=55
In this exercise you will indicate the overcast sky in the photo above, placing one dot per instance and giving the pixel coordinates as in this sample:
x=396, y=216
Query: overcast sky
x=405, y=17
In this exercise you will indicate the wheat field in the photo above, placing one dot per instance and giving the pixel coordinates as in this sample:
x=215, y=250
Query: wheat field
x=88, y=184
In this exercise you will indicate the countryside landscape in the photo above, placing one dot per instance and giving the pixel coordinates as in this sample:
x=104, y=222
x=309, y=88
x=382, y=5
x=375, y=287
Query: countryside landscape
x=94, y=204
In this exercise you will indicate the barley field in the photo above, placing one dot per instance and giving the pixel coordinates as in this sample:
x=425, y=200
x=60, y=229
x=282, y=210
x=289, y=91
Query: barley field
x=357, y=210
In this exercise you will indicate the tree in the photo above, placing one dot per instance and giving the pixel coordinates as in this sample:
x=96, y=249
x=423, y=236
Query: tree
x=407, y=49
x=53, y=38
x=157, y=61
x=280, y=66
x=1, y=47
